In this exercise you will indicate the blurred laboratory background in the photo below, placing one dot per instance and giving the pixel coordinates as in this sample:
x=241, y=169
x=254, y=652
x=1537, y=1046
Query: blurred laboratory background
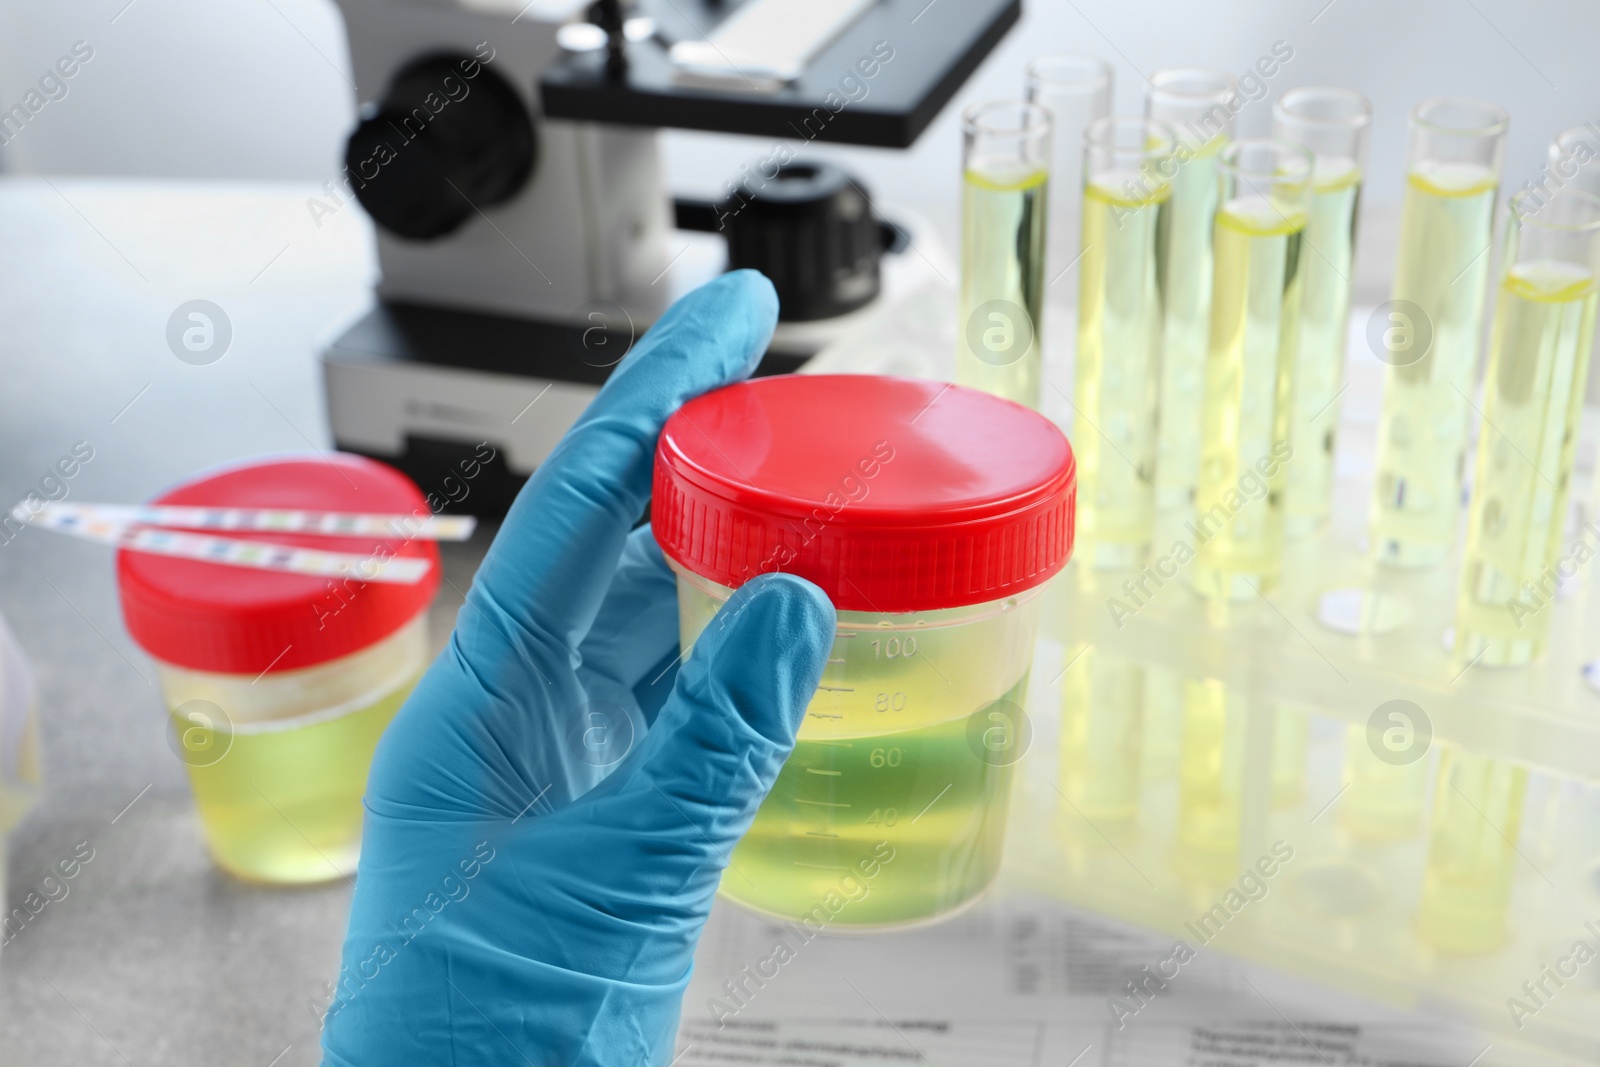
x=262, y=91
x=193, y=157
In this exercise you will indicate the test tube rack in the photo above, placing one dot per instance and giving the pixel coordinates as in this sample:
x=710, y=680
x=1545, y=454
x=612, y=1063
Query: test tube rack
x=1342, y=911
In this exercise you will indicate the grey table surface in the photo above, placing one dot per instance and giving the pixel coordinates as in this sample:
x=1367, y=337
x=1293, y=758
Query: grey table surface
x=153, y=956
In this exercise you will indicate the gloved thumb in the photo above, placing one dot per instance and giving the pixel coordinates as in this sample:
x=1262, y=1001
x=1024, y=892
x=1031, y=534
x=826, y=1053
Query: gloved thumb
x=739, y=700
x=595, y=908
x=672, y=819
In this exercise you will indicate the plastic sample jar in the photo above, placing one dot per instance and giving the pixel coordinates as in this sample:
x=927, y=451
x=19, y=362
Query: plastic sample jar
x=278, y=684
x=19, y=757
x=931, y=515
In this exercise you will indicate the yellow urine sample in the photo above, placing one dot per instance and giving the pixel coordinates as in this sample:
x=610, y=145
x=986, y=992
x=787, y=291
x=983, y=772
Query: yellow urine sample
x=1162, y=721
x=1291, y=748
x=1210, y=783
x=279, y=763
x=1329, y=264
x=1533, y=406
x=284, y=804
x=1102, y=700
x=906, y=751
x=1187, y=280
x=998, y=348
x=1445, y=236
x=1472, y=853
x=1382, y=801
x=1245, y=454
x=1118, y=367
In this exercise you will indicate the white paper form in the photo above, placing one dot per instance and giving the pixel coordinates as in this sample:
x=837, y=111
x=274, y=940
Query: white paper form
x=1023, y=981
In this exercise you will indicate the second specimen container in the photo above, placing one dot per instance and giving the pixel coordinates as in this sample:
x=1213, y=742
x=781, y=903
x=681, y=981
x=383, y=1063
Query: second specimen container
x=931, y=515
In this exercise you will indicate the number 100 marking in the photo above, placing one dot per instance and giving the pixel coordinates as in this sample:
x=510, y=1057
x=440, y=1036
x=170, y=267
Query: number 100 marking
x=894, y=647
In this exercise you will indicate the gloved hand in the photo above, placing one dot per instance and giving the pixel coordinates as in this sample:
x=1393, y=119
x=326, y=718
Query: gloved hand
x=516, y=904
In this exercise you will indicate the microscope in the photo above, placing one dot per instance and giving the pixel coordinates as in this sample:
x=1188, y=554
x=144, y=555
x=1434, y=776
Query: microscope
x=507, y=152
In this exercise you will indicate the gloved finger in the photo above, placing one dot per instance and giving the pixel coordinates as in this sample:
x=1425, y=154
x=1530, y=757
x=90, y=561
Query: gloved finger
x=548, y=569
x=635, y=630
x=740, y=698
x=670, y=818
x=589, y=723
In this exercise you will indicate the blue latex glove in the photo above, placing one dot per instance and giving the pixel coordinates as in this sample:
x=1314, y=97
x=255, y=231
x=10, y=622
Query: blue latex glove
x=519, y=902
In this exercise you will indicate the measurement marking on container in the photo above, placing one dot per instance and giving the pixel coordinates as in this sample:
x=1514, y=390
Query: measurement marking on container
x=835, y=744
x=821, y=803
x=845, y=637
x=836, y=689
x=819, y=833
x=931, y=803
x=821, y=866
x=821, y=715
x=841, y=659
x=834, y=774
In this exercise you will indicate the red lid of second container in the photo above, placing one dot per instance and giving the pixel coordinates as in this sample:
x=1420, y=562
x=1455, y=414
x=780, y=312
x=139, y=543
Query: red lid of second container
x=239, y=620
x=892, y=494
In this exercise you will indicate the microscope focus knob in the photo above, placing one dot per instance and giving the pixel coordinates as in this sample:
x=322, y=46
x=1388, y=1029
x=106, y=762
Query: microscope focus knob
x=440, y=147
x=810, y=228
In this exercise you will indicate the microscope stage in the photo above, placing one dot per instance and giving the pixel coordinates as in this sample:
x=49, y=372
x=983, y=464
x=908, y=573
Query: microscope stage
x=935, y=47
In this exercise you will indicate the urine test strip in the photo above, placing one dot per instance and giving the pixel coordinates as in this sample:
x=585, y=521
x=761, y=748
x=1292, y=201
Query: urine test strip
x=63, y=516
x=261, y=555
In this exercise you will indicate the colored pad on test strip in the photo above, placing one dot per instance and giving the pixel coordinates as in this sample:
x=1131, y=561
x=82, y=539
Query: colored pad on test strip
x=267, y=556
x=261, y=555
x=62, y=516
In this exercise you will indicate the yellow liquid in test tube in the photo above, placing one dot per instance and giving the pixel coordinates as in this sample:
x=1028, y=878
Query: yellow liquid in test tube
x=1188, y=283
x=1329, y=262
x=1291, y=748
x=1245, y=453
x=1101, y=700
x=1118, y=368
x=1533, y=404
x=1472, y=853
x=1445, y=235
x=1162, y=718
x=998, y=348
x=284, y=802
x=1210, y=783
x=889, y=763
x=1382, y=801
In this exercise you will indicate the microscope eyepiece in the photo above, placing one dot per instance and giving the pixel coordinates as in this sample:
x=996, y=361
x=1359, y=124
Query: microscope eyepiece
x=450, y=137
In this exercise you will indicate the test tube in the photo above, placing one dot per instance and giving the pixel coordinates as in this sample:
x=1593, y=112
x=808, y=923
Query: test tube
x=1574, y=159
x=1383, y=799
x=1005, y=191
x=1472, y=853
x=1199, y=104
x=1332, y=124
x=1076, y=90
x=1101, y=699
x=1532, y=410
x=1211, y=774
x=1245, y=451
x=1128, y=165
x=1291, y=750
x=1161, y=747
x=1435, y=320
